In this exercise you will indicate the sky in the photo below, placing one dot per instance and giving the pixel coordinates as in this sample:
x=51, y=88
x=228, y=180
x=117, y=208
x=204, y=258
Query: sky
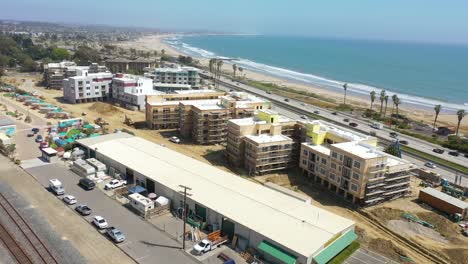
x=401, y=20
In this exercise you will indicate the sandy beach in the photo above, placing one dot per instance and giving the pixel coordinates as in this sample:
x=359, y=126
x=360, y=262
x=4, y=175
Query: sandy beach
x=154, y=42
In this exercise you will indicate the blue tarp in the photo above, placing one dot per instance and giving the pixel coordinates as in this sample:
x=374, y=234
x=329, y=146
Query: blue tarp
x=136, y=189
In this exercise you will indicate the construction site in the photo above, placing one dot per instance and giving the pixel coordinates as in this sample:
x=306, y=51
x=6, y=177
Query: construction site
x=394, y=229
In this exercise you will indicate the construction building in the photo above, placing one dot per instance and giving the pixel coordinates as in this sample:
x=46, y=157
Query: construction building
x=282, y=228
x=135, y=65
x=177, y=75
x=54, y=73
x=263, y=143
x=131, y=90
x=171, y=87
x=162, y=110
x=350, y=164
x=444, y=202
x=87, y=87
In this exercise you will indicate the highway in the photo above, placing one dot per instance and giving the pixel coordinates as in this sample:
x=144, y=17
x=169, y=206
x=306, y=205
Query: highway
x=296, y=110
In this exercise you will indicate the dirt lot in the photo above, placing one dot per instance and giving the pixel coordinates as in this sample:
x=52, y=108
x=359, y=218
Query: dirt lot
x=371, y=236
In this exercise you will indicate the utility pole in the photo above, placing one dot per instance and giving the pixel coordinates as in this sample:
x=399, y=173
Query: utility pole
x=184, y=210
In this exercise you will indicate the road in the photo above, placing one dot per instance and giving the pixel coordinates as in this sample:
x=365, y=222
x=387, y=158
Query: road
x=144, y=242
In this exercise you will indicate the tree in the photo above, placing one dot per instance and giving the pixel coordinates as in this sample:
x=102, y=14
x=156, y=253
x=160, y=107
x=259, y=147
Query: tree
x=372, y=99
x=59, y=54
x=397, y=102
x=155, y=53
x=211, y=66
x=85, y=55
x=437, y=109
x=393, y=149
x=219, y=66
x=345, y=87
x=386, y=102
x=234, y=69
x=382, y=99
x=394, y=98
x=460, y=115
x=163, y=52
x=29, y=65
x=240, y=70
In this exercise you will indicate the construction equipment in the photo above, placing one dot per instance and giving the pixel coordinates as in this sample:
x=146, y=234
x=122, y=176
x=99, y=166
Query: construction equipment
x=452, y=191
x=100, y=122
x=128, y=121
x=413, y=218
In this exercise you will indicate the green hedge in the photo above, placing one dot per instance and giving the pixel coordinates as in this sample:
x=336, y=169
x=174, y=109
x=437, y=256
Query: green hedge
x=348, y=251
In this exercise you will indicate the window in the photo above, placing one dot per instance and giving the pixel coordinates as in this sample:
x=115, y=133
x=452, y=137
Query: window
x=332, y=176
x=356, y=175
x=377, y=166
x=341, y=157
x=305, y=152
x=354, y=187
x=334, y=155
x=357, y=164
x=304, y=162
x=322, y=171
x=318, y=158
x=333, y=165
x=324, y=161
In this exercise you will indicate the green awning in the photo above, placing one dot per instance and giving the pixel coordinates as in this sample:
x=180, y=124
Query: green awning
x=335, y=247
x=277, y=252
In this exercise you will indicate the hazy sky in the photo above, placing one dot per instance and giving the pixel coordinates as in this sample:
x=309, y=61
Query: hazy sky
x=414, y=20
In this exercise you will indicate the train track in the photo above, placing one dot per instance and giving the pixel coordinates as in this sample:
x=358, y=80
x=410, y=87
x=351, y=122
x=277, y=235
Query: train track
x=18, y=251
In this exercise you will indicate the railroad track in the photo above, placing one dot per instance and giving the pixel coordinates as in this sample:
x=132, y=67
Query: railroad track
x=413, y=246
x=20, y=252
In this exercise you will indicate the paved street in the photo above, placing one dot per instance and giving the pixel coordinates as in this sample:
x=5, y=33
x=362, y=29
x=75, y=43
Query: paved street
x=144, y=243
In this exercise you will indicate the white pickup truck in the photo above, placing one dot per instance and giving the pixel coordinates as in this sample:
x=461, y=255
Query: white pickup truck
x=115, y=184
x=213, y=241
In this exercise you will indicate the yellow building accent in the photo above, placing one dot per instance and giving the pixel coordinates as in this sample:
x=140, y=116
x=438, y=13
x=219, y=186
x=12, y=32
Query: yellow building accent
x=268, y=117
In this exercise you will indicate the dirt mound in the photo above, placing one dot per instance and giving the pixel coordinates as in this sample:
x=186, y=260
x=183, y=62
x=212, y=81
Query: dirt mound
x=410, y=229
x=104, y=108
x=442, y=225
x=386, y=214
x=457, y=255
x=386, y=248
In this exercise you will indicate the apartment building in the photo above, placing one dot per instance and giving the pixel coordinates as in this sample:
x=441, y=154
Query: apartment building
x=135, y=65
x=178, y=75
x=171, y=87
x=263, y=143
x=350, y=164
x=162, y=110
x=87, y=87
x=54, y=73
x=131, y=90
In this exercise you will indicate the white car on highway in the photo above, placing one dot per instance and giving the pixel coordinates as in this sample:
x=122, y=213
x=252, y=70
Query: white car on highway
x=69, y=199
x=175, y=140
x=100, y=222
x=115, y=184
x=430, y=165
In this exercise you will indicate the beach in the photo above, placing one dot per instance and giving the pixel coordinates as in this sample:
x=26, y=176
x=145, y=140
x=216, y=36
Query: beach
x=417, y=113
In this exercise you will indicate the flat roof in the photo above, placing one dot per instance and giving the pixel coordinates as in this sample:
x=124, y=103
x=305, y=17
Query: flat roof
x=206, y=102
x=340, y=131
x=445, y=197
x=172, y=85
x=6, y=122
x=319, y=148
x=49, y=151
x=360, y=150
x=266, y=138
x=298, y=226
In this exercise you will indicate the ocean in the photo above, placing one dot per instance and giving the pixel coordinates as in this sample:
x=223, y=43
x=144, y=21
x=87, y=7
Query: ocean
x=421, y=74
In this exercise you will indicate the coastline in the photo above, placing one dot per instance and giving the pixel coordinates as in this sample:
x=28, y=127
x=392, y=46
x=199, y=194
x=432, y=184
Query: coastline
x=415, y=112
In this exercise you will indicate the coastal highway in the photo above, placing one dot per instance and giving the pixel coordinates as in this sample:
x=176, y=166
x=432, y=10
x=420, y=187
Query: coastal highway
x=296, y=109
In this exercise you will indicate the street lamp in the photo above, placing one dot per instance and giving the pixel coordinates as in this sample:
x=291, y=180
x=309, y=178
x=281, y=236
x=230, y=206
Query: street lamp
x=184, y=210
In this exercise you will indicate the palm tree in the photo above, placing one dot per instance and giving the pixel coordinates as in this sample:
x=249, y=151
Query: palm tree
x=210, y=65
x=382, y=99
x=386, y=102
x=372, y=99
x=219, y=65
x=397, y=102
x=437, y=109
x=240, y=70
x=234, y=69
x=394, y=98
x=460, y=114
x=345, y=87
x=163, y=52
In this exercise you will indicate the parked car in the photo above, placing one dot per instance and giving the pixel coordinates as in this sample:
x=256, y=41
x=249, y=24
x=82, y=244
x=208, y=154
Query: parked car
x=115, y=234
x=334, y=113
x=56, y=187
x=303, y=116
x=115, y=184
x=404, y=142
x=207, y=245
x=83, y=209
x=69, y=199
x=35, y=130
x=430, y=165
x=268, y=92
x=346, y=120
x=39, y=139
x=317, y=112
x=100, y=222
x=31, y=134
x=286, y=99
x=87, y=183
x=454, y=153
x=175, y=140
x=353, y=124
x=393, y=134
x=439, y=151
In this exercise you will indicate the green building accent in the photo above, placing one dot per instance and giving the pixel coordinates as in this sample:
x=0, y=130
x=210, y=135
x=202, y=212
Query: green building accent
x=276, y=252
x=335, y=247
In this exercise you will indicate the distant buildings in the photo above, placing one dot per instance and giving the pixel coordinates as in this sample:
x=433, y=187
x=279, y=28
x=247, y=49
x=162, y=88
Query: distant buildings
x=350, y=164
x=123, y=65
x=131, y=90
x=54, y=73
x=87, y=87
x=178, y=75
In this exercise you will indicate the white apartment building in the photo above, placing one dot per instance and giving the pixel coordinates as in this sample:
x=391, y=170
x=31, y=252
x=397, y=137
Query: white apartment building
x=131, y=90
x=179, y=75
x=87, y=87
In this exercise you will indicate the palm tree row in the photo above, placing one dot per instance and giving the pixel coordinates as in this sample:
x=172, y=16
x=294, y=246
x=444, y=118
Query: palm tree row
x=215, y=66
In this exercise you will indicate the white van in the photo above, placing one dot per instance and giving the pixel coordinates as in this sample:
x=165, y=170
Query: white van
x=377, y=125
x=56, y=187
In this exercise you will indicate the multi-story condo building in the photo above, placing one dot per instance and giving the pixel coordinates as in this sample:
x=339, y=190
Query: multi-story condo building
x=171, y=87
x=137, y=65
x=350, y=164
x=179, y=75
x=263, y=143
x=54, y=73
x=87, y=87
x=131, y=90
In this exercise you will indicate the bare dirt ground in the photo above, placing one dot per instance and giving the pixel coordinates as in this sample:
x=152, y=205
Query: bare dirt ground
x=371, y=236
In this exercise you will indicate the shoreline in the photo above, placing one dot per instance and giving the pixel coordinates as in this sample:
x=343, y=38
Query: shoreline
x=415, y=112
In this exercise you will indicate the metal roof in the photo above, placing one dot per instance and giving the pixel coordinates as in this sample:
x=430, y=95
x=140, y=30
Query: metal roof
x=296, y=225
x=6, y=122
x=445, y=197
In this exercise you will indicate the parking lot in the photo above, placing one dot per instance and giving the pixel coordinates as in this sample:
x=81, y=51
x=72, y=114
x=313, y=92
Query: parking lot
x=144, y=242
x=363, y=256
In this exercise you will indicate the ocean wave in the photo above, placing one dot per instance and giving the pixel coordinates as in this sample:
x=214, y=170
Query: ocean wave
x=305, y=78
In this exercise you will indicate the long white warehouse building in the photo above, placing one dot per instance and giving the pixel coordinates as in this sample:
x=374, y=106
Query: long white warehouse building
x=282, y=228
